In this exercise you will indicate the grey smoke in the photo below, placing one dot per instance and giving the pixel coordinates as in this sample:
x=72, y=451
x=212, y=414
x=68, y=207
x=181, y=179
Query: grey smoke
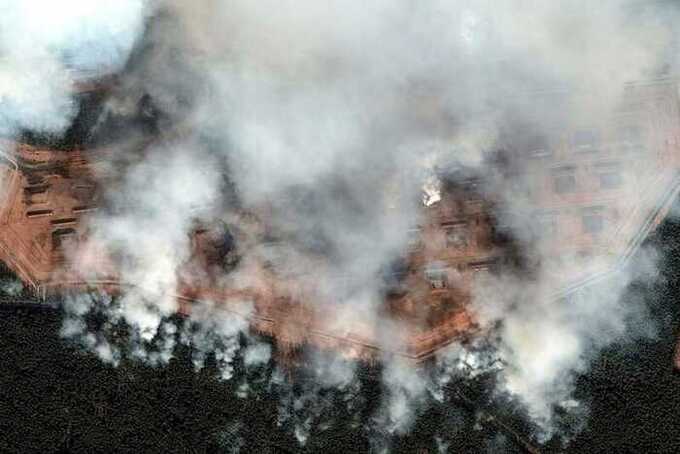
x=257, y=354
x=76, y=307
x=335, y=114
x=11, y=287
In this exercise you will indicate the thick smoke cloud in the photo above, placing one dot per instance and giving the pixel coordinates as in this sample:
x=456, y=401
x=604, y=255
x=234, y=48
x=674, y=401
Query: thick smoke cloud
x=47, y=46
x=334, y=115
x=350, y=106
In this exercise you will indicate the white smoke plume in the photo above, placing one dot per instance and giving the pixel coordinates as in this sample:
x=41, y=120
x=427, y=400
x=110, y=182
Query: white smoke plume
x=545, y=342
x=335, y=114
x=218, y=333
x=159, y=208
x=76, y=307
x=46, y=47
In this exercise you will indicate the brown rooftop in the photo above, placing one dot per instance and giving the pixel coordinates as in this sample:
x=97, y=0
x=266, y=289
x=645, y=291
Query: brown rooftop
x=575, y=201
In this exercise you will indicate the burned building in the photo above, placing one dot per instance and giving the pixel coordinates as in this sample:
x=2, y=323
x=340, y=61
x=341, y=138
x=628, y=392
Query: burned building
x=574, y=210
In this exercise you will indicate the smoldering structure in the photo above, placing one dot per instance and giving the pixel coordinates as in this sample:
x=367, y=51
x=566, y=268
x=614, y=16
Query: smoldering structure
x=378, y=182
x=571, y=180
